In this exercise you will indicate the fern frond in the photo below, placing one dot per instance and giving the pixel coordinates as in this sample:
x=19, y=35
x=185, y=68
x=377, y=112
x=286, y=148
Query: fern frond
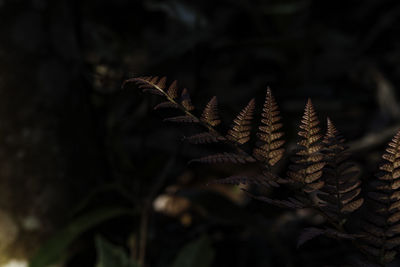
x=259, y=180
x=172, y=90
x=312, y=232
x=240, y=131
x=203, y=138
x=162, y=83
x=341, y=191
x=290, y=203
x=224, y=158
x=210, y=113
x=155, y=85
x=308, y=163
x=183, y=118
x=148, y=82
x=209, y=118
x=165, y=104
x=186, y=101
x=320, y=164
x=382, y=225
x=152, y=91
x=270, y=148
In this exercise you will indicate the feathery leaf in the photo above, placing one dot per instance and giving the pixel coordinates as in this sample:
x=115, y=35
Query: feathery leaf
x=342, y=187
x=240, y=131
x=186, y=101
x=203, y=138
x=307, y=165
x=173, y=90
x=165, y=104
x=210, y=113
x=382, y=226
x=259, y=180
x=183, y=118
x=224, y=158
x=270, y=148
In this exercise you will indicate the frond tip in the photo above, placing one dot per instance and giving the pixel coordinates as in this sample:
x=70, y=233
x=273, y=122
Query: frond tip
x=148, y=82
x=210, y=113
x=270, y=148
x=308, y=162
x=240, y=131
x=157, y=86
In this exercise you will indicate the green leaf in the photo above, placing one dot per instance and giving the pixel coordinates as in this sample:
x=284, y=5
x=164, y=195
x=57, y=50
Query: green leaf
x=109, y=255
x=56, y=247
x=198, y=253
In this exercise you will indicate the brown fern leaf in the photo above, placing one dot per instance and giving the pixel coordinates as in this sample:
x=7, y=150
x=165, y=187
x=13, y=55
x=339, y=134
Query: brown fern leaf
x=153, y=82
x=155, y=85
x=209, y=118
x=290, y=203
x=165, y=104
x=259, y=180
x=382, y=223
x=240, y=131
x=312, y=232
x=152, y=91
x=270, y=148
x=203, y=138
x=224, y=158
x=186, y=102
x=183, y=118
x=210, y=113
x=341, y=191
x=306, y=169
x=149, y=84
x=234, y=180
x=162, y=83
x=173, y=90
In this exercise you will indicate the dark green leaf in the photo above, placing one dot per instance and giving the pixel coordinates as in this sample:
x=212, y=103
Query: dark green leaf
x=198, y=253
x=109, y=255
x=56, y=247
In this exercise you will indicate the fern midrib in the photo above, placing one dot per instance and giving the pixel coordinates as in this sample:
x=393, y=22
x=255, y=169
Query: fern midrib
x=338, y=194
x=308, y=144
x=270, y=128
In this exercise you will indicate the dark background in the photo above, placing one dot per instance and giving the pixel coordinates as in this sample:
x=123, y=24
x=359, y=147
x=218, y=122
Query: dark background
x=72, y=141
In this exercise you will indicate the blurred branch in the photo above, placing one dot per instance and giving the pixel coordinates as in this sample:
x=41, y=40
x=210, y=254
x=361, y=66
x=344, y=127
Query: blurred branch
x=386, y=96
x=157, y=185
x=374, y=139
x=386, y=21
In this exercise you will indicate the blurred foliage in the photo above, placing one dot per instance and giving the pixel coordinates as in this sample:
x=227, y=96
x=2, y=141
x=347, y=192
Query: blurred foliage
x=56, y=249
x=109, y=255
x=197, y=253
